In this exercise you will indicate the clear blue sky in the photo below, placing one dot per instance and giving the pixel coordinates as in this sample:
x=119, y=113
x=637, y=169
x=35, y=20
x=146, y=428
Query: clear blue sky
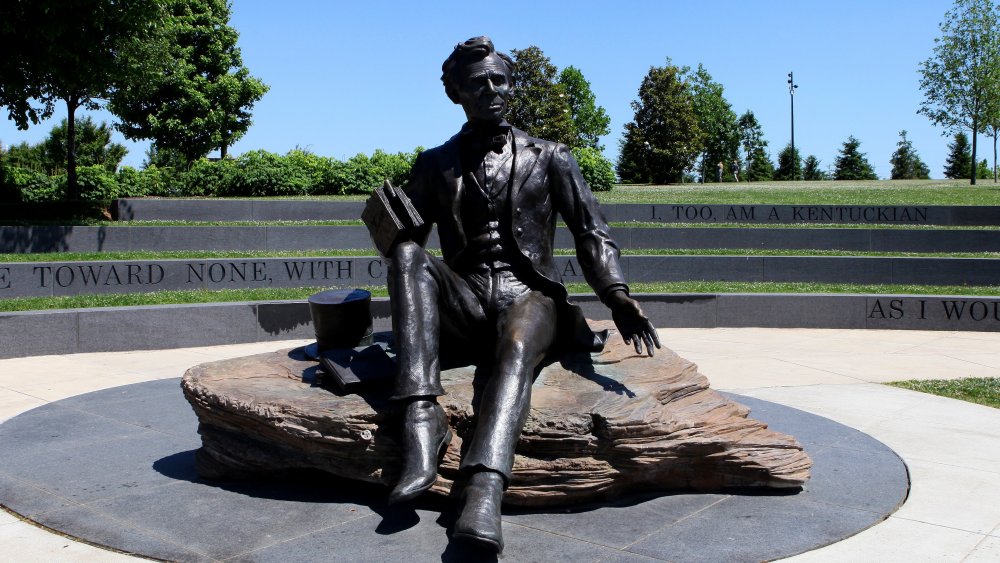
x=349, y=77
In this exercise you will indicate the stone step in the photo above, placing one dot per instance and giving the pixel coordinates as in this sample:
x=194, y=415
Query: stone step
x=44, y=279
x=110, y=329
x=292, y=238
x=142, y=209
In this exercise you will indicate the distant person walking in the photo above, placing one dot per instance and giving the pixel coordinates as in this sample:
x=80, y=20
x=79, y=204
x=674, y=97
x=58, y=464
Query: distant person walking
x=718, y=172
x=735, y=169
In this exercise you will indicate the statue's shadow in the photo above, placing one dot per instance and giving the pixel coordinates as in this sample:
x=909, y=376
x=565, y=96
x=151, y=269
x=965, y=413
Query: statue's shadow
x=317, y=487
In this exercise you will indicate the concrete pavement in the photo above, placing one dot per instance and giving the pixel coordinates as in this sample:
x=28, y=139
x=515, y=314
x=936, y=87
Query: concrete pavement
x=952, y=448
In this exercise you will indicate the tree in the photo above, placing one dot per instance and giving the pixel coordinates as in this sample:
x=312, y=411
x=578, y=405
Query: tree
x=29, y=157
x=789, y=164
x=958, y=164
x=589, y=119
x=663, y=139
x=906, y=164
x=983, y=170
x=851, y=164
x=811, y=169
x=761, y=167
x=961, y=81
x=717, y=121
x=67, y=52
x=539, y=104
x=752, y=140
x=993, y=131
x=201, y=97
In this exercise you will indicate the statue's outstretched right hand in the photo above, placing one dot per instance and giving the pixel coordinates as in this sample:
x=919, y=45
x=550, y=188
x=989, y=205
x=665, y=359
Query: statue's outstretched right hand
x=633, y=325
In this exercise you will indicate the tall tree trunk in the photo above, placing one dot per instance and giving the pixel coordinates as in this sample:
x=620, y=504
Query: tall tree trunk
x=975, y=131
x=72, y=185
x=996, y=132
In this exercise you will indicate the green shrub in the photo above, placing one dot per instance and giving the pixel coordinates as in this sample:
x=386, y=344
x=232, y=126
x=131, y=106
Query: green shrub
x=307, y=165
x=261, y=173
x=206, y=178
x=151, y=181
x=96, y=183
x=33, y=187
x=597, y=170
x=392, y=167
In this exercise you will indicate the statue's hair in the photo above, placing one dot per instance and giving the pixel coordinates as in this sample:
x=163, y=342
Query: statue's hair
x=471, y=51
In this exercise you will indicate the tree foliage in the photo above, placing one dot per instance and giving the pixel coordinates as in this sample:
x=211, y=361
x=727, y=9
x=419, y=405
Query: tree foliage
x=589, y=119
x=761, y=167
x=811, y=169
x=93, y=147
x=906, y=164
x=983, y=170
x=789, y=164
x=539, y=104
x=200, y=97
x=993, y=131
x=851, y=163
x=67, y=52
x=754, y=145
x=716, y=120
x=958, y=164
x=961, y=80
x=596, y=169
x=663, y=139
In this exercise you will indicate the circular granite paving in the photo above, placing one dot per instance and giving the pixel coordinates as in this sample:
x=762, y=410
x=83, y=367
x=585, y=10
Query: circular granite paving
x=116, y=468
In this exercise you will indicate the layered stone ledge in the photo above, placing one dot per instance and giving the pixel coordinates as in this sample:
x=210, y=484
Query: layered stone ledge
x=600, y=426
x=115, y=329
x=148, y=209
x=294, y=238
x=46, y=279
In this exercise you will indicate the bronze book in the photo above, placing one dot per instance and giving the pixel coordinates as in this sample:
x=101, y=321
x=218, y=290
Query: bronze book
x=350, y=370
x=390, y=218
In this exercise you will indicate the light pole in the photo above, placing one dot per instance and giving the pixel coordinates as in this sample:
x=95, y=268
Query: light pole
x=791, y=96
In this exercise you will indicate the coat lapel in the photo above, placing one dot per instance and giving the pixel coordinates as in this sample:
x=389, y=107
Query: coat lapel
x=454, y=185
x=525, y=157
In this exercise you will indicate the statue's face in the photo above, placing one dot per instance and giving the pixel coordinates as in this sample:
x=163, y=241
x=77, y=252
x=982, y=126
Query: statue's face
x=483, y=89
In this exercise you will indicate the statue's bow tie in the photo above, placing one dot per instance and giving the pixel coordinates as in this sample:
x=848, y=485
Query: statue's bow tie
x=493, y=138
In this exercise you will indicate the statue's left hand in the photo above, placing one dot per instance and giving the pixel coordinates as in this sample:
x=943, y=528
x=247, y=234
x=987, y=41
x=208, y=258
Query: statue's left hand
x=632, y=323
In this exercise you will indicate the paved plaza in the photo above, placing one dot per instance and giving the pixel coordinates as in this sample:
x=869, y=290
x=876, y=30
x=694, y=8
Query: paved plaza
x=951, y=448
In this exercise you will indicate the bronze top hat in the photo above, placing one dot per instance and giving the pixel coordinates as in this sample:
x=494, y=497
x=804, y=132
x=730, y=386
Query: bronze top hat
x=342, y=318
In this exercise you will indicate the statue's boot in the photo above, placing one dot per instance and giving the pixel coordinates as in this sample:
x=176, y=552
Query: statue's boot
x=480, y=518
x=425, y=436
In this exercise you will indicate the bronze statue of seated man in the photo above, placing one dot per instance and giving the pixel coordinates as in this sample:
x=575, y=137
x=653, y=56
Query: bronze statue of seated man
x=494, y=193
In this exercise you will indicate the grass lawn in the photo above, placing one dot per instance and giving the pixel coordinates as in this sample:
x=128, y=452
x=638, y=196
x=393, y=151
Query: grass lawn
x=136, y=255
x=982, y=390
x=277, y=294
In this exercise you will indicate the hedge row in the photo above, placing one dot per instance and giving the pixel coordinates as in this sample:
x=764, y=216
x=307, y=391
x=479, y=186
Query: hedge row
x=252, y=174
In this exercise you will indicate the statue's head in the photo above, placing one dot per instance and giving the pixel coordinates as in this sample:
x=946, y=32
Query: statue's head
x=479, y=79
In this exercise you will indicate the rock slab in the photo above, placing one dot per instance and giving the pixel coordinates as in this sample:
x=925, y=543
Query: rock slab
x=601, y=425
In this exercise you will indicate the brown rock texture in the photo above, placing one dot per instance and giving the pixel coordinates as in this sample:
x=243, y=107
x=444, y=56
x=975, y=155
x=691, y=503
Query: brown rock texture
x=600, y=425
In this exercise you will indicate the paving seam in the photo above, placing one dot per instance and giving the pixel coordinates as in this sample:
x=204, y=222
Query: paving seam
x=857, y=379
x=286, y=540
x=580, y=540
x=678, y=521
x=968, y=361
x=984, y=534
